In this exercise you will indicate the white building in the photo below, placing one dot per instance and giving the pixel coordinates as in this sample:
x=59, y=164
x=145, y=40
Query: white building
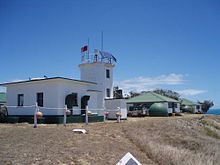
x=52, y=94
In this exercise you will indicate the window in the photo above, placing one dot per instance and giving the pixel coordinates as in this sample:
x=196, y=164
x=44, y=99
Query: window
x=107, y=92
x=40, y=99
x=107, y=73
x=197, y=106
x=175, y=105
x=172, y=105
x=20, y=99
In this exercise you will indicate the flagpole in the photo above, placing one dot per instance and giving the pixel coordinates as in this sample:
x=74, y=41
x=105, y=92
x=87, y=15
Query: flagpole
x=88, y=48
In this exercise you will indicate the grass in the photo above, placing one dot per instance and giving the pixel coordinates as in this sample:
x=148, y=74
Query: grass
x=211, y=133
x=159, y=141
x=178, y=141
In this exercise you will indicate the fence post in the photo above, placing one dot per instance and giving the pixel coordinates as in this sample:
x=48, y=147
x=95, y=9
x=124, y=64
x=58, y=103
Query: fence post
x=118, y=115
x=35, y=115
x=86, y=115
x=104, y=115
x=64, y=114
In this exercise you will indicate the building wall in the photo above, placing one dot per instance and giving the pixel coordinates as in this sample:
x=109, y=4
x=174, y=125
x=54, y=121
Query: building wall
x=170, y=110
x=54, y=92
x=114, y=105
x=96, y=72
x=198, y=109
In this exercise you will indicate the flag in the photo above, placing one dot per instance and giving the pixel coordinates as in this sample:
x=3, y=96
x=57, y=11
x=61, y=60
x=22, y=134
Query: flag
x=84, y=49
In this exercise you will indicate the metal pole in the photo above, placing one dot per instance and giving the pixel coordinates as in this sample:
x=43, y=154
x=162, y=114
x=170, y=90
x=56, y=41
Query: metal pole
x=35, y=115
x=88, y=49
x=64, y=114
x=119, y=115
x=86, y=115
x=102, y=41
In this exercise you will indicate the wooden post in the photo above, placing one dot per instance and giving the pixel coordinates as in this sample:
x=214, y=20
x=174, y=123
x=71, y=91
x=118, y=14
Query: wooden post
x=86, y=115
x=64, y=115
x=35, y=115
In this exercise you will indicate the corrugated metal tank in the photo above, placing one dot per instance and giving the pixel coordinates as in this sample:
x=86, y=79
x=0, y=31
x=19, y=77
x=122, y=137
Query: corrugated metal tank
x=158, y=109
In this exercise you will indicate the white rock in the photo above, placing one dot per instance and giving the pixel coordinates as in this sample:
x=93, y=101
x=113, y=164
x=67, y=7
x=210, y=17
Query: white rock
x=79, y=131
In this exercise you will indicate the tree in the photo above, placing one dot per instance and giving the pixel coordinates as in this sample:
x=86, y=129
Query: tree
x=168, y=93
x=133, y=94
x=206, y=104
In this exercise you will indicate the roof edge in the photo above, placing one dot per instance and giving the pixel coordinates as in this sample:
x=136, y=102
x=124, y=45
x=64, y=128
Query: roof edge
x=45, y=79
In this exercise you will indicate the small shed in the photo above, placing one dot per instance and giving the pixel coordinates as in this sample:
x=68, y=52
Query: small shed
x=149, y=98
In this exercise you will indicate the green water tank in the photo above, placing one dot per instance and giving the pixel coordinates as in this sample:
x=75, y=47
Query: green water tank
x=188, y=109
x=158, y=109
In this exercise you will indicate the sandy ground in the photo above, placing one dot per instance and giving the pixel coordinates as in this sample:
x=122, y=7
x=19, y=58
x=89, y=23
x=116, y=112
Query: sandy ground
x=105, y=143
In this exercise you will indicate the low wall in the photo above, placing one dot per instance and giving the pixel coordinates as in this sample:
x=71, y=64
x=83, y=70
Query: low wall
x=53, y=119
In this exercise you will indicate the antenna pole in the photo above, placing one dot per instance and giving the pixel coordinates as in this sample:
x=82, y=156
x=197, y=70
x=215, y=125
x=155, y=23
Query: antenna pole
x=88, y=48
x=102, y=41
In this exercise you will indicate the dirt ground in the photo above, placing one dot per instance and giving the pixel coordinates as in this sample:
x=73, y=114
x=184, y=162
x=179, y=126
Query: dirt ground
x=106, y=143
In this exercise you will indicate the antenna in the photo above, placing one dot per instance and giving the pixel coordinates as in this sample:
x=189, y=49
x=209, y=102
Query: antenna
x=102, y=41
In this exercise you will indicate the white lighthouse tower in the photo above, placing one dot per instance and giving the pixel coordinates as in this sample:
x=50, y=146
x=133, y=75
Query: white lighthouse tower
x=98, y=68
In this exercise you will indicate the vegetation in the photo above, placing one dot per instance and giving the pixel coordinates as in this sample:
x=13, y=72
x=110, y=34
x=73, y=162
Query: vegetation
x=3, y=113
x=174, y=140
x=168, y=93
x=134, y=94
x=206, y=104
x=211, y=132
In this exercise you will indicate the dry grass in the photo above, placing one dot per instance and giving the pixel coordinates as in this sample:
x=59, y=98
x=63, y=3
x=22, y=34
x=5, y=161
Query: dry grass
x=174, y=140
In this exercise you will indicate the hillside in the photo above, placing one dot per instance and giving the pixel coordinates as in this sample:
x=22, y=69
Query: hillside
x=191, y=139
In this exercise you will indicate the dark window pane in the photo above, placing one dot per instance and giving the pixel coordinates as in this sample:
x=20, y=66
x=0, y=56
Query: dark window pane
x=170, y=105
x=40, y=99
x=107, y=73
x=107, y=92
x=20, y=99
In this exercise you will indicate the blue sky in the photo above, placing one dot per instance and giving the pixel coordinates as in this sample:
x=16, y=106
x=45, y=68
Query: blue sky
x=170, y=44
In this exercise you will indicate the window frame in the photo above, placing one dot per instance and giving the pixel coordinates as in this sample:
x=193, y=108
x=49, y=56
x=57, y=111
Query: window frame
x=172, y=105
x=108, y=92
x=107, y=73
x=40, y=101
x=20, y=100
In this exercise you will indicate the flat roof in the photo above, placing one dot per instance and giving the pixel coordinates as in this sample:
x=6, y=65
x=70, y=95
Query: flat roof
x=46, y=79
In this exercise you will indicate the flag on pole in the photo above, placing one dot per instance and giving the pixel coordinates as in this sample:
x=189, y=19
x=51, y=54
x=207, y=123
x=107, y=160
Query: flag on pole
x=84, y=49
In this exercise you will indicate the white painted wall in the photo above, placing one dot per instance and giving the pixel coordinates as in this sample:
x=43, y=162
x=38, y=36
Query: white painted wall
x=55, y=92
x=112, y=105
x=199, y=109
x=96, y=72
x=170, y=110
